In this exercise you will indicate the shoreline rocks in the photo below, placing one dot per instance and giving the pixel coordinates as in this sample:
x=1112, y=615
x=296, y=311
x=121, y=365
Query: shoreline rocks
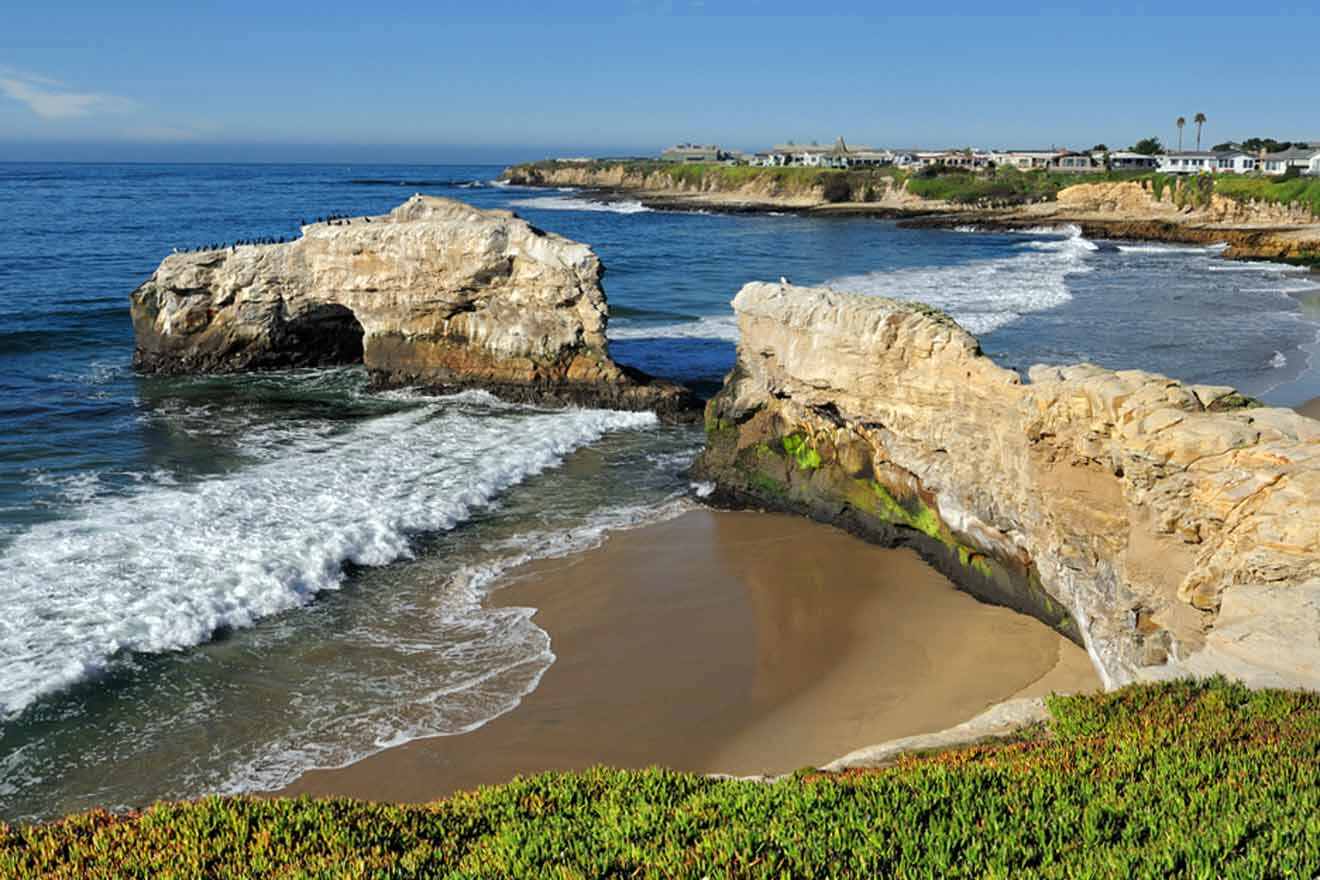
x=1125, y=210
x=1170, y=529
x=436, y=293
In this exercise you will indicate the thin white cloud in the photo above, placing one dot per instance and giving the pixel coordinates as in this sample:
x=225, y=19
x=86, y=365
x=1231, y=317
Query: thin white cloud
x=49, y=99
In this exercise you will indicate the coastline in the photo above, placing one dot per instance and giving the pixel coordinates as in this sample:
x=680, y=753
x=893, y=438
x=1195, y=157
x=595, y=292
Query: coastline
x=1267, y=240
x=741, y=643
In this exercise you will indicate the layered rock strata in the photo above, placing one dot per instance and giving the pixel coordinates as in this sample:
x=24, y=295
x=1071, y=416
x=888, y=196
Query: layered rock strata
x=436, y=293
x=1168, y=528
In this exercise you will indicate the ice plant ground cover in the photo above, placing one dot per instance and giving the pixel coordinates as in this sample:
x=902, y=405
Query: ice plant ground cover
x=1181, y=779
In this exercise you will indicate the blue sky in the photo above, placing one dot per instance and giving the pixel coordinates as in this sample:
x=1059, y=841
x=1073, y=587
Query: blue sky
x=498, y=81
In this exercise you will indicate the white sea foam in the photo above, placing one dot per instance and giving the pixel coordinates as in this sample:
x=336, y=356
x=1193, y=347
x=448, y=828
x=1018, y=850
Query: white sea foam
x=72, y=489
x=1171, y=249
x=164, y=568
x=1069, y=230
x=532, y=546
x=709, y=327
x=984, y=295
x=569, y=203
x=1253, y=266
x=1284, y=288
x=1279, y=361
x=502, y=653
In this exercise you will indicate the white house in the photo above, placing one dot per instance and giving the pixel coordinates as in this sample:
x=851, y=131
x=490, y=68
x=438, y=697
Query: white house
x=838, y=155
x=809, y=155
x=1234, y=162
x=1126, y=160
x=694, y=153
x=1187, y=162
x=1023, y=160
x=970, y=159
x=1074, y=163
x=1314, y=168
x=866, y=157
x=1293, y=157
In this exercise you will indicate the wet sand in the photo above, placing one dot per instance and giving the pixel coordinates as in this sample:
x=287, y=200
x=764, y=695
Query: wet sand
x=732, y=642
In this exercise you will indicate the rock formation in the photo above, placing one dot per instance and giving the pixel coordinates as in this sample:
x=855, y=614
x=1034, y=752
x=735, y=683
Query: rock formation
x=662, y=187
x=1168, y=528
x=435, y=293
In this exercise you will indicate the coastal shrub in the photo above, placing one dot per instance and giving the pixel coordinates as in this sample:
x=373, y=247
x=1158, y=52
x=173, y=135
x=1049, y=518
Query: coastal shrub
x=1003, y=186
x=1158, y=184
x=1185, y=779
x=1301, y=191
x=1194, y=191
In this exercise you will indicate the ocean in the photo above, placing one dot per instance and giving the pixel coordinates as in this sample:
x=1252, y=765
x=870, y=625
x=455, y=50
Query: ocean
x=213, y=584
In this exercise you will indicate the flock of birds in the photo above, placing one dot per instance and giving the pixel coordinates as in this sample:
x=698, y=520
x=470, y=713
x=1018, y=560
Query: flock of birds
x=231, y=246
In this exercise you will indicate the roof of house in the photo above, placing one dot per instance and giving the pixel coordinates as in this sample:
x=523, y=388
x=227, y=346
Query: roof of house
x=1293, y=153
x=1192, y=154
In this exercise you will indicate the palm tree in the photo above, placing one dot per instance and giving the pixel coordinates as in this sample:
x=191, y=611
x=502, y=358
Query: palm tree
x=1180, y=123
x=1199, y=119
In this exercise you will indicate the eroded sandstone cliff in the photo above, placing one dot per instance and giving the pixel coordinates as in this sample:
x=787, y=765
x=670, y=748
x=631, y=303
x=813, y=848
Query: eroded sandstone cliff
x=1168, y=528
x=435, y=293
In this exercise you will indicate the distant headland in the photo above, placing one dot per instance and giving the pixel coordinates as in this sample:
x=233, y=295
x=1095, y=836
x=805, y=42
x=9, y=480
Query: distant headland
x=1265, y=207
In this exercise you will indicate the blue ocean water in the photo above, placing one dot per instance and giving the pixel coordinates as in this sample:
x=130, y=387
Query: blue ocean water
x=233, y=579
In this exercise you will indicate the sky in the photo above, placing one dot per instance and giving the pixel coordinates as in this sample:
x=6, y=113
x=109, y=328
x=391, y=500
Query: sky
x=497, y=81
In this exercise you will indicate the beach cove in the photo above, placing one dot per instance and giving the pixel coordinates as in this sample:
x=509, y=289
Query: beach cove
x=739, y=643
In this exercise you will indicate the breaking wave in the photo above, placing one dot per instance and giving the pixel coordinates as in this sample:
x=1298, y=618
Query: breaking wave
x=570, y=203
x=167, y=566
x=709, y=327
x=985, y=295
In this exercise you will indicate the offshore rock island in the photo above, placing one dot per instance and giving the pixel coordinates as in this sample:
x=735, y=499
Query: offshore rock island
x=435, y=293
x=1170, y=529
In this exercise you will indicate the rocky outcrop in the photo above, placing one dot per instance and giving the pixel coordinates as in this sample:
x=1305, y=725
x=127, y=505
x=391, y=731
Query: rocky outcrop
x=1139, y=201
x=1168, y=528
x=435, y=293
x=666, y=185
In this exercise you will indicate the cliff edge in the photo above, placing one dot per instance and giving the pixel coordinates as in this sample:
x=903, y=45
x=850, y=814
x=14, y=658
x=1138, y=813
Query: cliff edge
x=1170, y=529
x=436, y=293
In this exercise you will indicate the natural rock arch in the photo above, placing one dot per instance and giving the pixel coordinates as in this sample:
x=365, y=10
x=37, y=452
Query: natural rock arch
x=436, y=293
x=323, y=335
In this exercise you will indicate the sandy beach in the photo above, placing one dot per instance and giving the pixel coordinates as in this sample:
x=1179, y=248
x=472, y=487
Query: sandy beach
x=1310, y=409
x=732, y=642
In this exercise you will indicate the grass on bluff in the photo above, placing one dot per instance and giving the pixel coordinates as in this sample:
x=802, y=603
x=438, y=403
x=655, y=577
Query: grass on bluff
x=1304, y=191
x=1003, y=186
x=1180, y=779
